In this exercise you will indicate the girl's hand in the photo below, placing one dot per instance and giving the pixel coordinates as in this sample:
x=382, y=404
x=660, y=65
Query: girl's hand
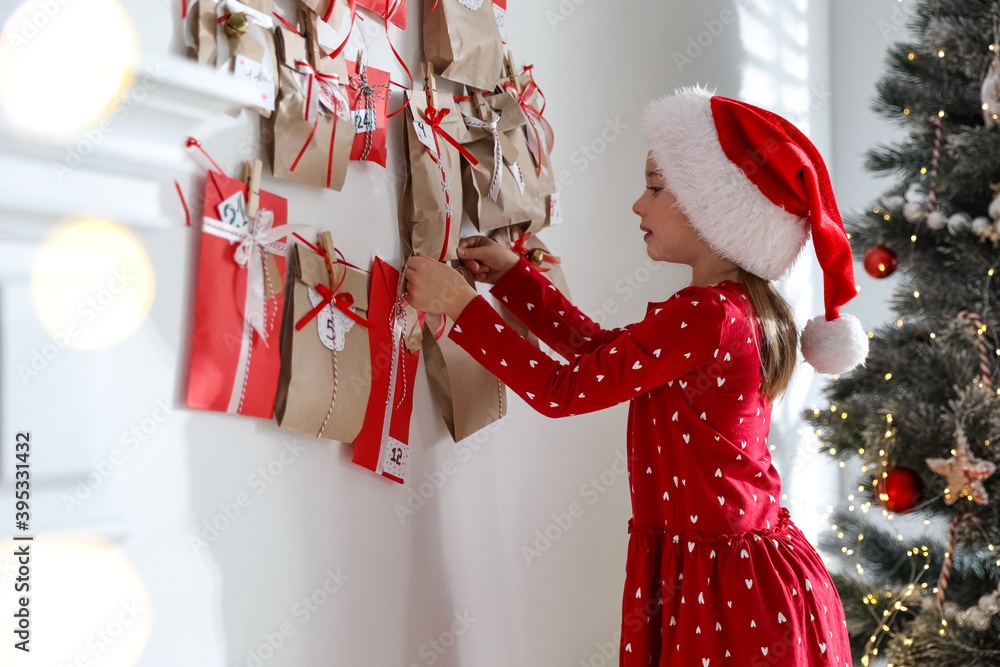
x=433, y=287
x=487, y=259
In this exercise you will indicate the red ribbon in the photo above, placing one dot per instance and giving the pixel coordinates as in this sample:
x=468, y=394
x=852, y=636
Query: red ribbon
x=388, y=14
x=341, y=301
x=524, y=101
x=333, y=133
x=180, y=193
x=528, y=69
x=434, y=118
x=184, y=9
x=353, y=4
x=520, y=249
x=191, y=141
x=287, y=24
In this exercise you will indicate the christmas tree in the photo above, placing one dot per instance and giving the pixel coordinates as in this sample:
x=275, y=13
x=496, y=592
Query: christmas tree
x=919, y=539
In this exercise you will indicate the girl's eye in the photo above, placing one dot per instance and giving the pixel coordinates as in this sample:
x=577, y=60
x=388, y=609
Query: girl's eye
x=653, y=188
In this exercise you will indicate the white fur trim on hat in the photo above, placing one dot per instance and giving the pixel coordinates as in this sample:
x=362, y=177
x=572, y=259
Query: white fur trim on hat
x=736, y=219
x=835, y=346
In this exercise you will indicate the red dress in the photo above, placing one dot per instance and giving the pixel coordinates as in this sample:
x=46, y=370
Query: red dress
x=717, y=574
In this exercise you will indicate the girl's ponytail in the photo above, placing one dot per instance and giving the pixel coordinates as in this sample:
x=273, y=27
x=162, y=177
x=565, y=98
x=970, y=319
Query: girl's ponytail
x=779, y=347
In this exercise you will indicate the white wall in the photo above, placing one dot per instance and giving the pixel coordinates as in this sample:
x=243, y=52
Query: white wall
x=460, y=553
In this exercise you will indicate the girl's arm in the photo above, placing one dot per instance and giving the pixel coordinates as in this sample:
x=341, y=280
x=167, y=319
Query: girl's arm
x=677, y=338
x=535, y=301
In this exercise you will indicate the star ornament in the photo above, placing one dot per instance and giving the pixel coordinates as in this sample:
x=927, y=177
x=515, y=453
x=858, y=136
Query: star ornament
x=964, y=472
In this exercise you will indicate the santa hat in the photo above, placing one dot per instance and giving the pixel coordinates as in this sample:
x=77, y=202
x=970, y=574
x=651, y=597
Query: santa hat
x=754, y=187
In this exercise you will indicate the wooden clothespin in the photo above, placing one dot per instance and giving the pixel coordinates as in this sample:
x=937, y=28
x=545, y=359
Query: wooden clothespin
x=430, y=84
x=307, y=24
x=359, y=63
x=325, y=240
x=251, y=175
x=508, y=63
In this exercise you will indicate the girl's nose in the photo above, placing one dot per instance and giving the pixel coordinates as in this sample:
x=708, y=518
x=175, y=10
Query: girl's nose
x=635, y=207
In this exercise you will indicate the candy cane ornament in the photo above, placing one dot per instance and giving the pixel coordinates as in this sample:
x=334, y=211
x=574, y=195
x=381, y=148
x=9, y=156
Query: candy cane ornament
x=984, y=367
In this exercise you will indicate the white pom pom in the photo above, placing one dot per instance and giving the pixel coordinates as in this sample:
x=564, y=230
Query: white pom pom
x=959, y=222
x=894, y=202
x=915, y=193
x=834, y=347
x=981, y=224
x=914, y=211
x=937, y=220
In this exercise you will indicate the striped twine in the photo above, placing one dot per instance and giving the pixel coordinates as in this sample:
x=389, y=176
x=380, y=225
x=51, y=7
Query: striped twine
x=942, y=585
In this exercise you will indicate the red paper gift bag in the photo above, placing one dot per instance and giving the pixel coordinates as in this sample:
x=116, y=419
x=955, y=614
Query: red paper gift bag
x=394, y=10
x=241, y=268
x=383, y=443
x=368, y=95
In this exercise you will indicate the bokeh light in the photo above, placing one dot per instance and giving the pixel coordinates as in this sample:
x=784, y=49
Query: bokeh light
x=92, y=284
x=64, y=64
x=88, y=605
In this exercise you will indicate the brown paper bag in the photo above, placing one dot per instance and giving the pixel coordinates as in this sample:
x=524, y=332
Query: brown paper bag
x=322, y=391
x=467, y=395
x=539, y=179
x=462, y=39
x=250, y=55
x=511, y=207
x=424, y=207
x=313, y=152
x=204, y=31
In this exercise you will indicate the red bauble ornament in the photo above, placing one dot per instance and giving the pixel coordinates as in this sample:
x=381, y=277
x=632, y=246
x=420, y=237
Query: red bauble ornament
x=880, y=262
x=900, y=489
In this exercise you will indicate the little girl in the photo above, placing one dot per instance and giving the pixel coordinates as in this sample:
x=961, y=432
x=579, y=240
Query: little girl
x=717, y=574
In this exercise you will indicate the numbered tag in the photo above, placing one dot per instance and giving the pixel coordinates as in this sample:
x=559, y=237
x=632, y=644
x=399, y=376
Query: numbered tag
x=248, y=70
x=518, y=178
x=500, y=12
x=253, y=72
x=364, y=120
x=472, y=4
x=395, y=456
x=233, y=212
x=555, y=209
x=332, y=324
x=424, y=134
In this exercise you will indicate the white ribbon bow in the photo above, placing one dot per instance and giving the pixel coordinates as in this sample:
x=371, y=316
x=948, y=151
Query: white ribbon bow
x=491, y=127
x=262, y=235
x=321, y=89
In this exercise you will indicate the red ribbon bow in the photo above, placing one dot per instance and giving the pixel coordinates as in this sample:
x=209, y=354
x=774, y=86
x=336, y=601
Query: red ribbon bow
x=535, y=119
x=434, y=118
x=342, y=300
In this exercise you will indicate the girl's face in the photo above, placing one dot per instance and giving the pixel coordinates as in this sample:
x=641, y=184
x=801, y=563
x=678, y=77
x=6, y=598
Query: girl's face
x=669, y=235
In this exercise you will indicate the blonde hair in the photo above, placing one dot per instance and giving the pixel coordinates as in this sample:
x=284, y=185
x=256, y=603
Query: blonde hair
x=779, y=347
